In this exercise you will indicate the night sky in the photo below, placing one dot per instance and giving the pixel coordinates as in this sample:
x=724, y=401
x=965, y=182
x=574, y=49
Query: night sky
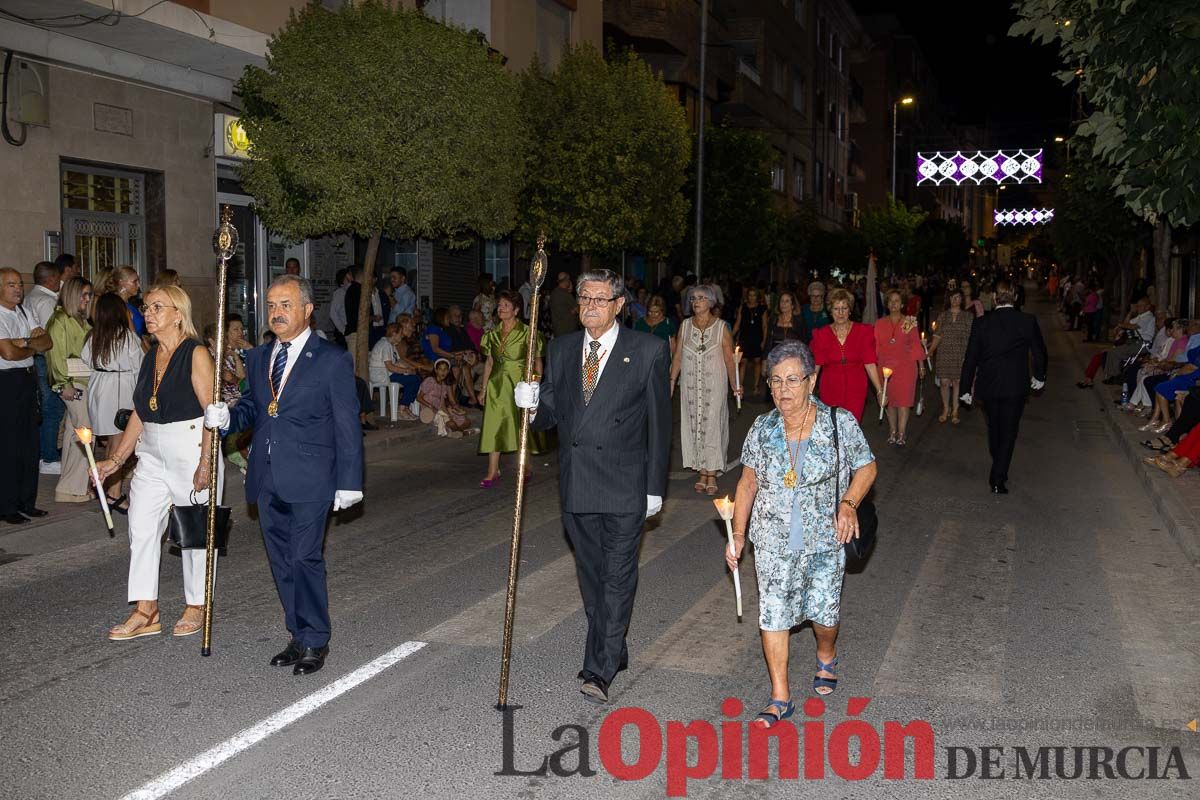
x=986, y=77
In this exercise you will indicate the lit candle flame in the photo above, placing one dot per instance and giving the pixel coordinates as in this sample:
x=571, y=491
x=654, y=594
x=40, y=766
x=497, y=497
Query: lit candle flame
x=724, y=507
x=887, y=372
x=84, y=434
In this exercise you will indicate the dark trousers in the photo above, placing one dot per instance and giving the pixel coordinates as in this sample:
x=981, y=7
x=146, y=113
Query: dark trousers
x=1003, y=424
x=606, y=562
x=18, y=440
x=294, y=534
x=53, y=410
x=409, y=386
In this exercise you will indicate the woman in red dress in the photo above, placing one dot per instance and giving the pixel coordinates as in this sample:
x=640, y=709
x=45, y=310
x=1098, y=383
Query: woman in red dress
x=898, y=347
x=845, y=356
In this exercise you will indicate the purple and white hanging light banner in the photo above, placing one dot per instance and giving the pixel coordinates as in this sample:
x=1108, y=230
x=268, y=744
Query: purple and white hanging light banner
x=980, y=166
x=1024, y=216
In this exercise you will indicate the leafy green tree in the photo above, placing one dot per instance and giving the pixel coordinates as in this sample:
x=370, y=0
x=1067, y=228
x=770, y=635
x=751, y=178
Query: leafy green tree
x=940, y=243
x=374, y=119
x=1093, y=226
x=891, y=232
x=742, y=230
x=609, y=149
x=1137, y=63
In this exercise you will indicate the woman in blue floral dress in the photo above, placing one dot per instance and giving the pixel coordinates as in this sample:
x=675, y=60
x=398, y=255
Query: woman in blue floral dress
x=788, y=499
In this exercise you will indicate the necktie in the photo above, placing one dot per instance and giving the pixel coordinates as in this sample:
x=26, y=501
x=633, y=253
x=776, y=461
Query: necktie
x=278, y=367
x=591, y=370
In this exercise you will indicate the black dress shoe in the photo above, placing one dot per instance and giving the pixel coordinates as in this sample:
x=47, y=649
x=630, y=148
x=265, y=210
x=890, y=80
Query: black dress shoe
x=595, y=690
x=290, y=655
x=311, y=661
x=999, y=488
x=624, y=665
x=14, y=519
x=34, y=513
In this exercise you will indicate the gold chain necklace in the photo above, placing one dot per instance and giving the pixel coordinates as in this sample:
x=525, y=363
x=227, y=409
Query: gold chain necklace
x=158, y=376
x=790, y=479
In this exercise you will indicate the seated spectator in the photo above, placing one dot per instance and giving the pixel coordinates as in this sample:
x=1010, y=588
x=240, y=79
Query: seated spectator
x=1182, y=457
x=1169, y=354
x=386, y=366
x=438, y=404
x=1139, y=331
x=439, y=342
x=475, y=328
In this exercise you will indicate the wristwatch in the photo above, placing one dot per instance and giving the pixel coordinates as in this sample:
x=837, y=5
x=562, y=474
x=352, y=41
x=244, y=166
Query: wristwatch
x=850, y=503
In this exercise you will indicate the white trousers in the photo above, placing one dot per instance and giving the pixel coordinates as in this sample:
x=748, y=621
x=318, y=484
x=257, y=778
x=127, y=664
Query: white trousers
x=168, y=456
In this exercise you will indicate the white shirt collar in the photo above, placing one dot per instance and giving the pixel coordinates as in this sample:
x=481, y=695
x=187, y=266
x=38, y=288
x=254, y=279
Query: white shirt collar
x=1005, y=305
x=607, y=339
x=298, y=343
x=43, y=290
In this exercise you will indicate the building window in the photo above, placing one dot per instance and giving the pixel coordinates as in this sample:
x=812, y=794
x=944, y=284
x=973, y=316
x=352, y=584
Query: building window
x=406, y=257
x=822, y=32
x=841, y=127
x=819, y=105
x=496, y=261
x=819, y=177
x=778, y=178
x=553, y=26
x=779, y=78
x=798, y=176
x=798, y=10
x=104, y=218
x=798, y=88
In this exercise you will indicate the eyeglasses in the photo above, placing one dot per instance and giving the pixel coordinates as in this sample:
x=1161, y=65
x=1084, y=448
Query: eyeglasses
x=599, y=302
x=155, y=308
x=793, y=382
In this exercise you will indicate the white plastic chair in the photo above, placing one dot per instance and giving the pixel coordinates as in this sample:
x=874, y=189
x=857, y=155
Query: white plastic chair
x=389, y=394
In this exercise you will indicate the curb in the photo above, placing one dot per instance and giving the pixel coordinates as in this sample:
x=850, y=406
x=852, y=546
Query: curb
x=1182, y=523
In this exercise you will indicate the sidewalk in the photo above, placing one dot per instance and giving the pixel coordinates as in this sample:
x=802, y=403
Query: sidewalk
x=1177, y=500
x=389, y=435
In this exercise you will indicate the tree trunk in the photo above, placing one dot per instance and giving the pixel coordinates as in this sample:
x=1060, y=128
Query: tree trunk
x=585, y=262
x=1162, y=263
x=362, y=347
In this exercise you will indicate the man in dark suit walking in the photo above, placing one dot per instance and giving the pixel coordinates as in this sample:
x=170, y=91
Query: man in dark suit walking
x=306, y=455
x=997, y=363
x=606, y=389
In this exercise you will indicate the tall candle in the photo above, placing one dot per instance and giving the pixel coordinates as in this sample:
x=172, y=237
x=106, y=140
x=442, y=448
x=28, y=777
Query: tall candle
x=737, y=374
x=85, y=437
x=725, y=511
x=887, y=373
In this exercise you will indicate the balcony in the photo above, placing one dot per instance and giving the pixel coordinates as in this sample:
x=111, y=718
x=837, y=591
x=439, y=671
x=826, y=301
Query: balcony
x=745, y=67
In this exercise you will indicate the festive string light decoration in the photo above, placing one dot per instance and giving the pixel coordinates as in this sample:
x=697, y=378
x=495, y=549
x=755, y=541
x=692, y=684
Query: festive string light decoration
x=1024, y=216
x=980, y=166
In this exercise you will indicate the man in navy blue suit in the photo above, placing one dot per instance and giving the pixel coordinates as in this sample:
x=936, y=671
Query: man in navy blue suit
x=306, y=455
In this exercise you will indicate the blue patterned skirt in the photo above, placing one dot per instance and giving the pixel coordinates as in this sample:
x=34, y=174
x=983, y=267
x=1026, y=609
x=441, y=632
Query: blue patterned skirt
x=793, y=588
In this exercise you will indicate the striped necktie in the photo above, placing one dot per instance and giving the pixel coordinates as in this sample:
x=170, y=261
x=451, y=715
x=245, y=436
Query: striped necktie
x=278, y=367
x=591, y=370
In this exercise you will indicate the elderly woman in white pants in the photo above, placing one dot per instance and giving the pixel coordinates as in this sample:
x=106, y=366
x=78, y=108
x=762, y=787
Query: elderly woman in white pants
x=167, y=432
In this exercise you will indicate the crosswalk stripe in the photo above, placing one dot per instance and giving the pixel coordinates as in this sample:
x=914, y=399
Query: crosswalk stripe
x=947, y=644
x=708, y=638
x=551, y=594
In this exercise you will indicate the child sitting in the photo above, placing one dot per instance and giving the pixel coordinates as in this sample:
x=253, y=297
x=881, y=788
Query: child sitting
x=440, y=406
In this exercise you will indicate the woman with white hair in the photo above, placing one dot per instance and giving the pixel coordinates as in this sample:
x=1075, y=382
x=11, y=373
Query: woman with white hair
x=805, y=469
x=703, y=356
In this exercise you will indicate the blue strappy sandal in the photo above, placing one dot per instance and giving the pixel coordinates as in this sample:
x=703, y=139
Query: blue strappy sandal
x=820, y=683
x=785, y=709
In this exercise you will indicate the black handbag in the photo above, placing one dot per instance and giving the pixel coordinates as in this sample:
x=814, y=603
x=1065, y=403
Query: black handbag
x=187, y=526
x=868, y=521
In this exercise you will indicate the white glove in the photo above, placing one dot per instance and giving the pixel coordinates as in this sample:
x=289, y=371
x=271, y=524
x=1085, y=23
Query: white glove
x=1035, y=384
x=526, y=394
x=966, y=397
x=653, y=505
x=216, y=416
x=344, y=498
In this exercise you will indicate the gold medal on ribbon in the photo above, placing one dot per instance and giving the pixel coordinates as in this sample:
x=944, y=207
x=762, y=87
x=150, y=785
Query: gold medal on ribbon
x=153, y=403
x=789, y=479
x=273, y=408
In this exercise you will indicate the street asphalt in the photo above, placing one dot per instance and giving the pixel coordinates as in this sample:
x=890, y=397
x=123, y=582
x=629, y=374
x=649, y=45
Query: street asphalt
x=1060, y=615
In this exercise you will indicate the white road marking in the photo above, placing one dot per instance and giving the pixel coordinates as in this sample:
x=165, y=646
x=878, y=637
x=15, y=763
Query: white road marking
x=190, y=770
x=960, y=637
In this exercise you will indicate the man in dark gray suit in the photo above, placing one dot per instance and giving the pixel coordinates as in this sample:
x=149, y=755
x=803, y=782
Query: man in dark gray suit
x=1002, y=344
x=606, y=389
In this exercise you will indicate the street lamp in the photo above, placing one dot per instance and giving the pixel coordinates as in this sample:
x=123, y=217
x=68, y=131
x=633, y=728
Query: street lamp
x=907, y=100
x=1058, y=139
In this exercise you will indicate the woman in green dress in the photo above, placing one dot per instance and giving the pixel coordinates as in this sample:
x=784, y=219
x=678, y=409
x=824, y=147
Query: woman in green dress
x=657, y=322
x=505, y=348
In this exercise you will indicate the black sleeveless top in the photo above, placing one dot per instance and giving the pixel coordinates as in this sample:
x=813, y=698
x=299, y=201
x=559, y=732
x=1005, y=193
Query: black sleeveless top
x=176, y=398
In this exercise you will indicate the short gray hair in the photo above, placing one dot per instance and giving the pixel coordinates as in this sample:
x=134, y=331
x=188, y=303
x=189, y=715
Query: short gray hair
x=306, y=291
x=791, y=348
x=705, y=291
x=601, y=276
